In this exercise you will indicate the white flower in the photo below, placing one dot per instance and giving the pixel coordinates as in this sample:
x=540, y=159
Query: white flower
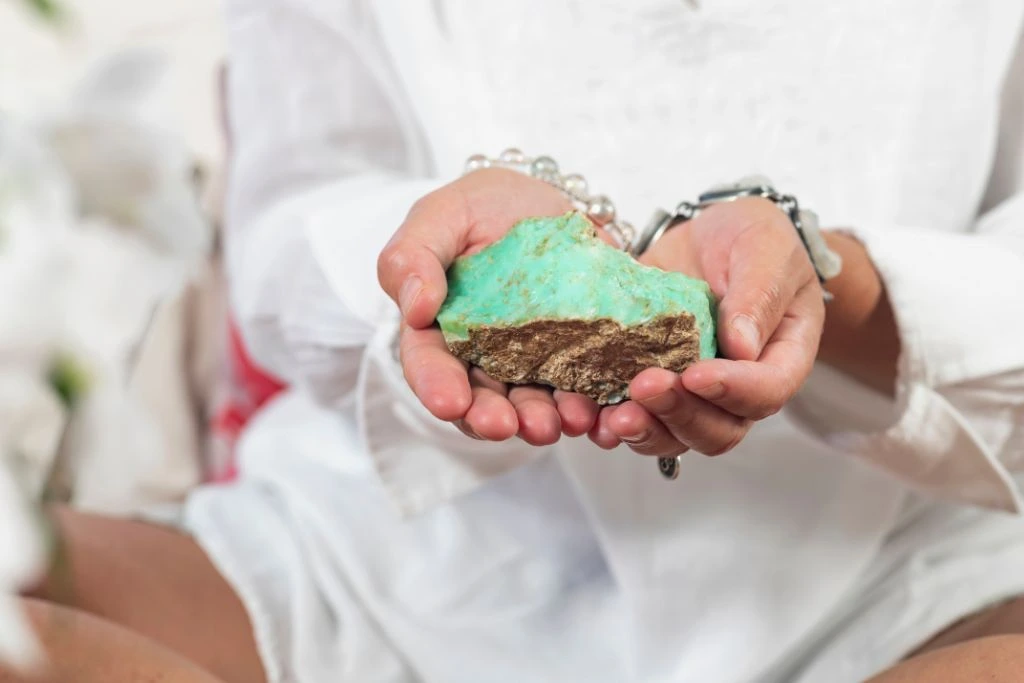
x=115, y=444
x=22, y=558
x=100, y=222
x=31, y=279
x=111, y=283
x=127, y=168
x=35, y=189
x=32, y=423
x=35, y=210
x=36, y=215
x=135, y=176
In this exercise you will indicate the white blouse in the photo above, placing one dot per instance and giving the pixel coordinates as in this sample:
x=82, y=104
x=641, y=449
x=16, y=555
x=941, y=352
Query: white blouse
x=901, y=121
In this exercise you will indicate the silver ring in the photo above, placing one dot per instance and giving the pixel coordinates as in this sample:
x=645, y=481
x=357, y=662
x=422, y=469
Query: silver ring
x=660, y=223
x=655, y=228
x=669, y=467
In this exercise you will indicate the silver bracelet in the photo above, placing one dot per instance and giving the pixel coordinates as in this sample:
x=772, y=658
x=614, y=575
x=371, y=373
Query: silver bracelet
x=827, y=263
x=597, y=207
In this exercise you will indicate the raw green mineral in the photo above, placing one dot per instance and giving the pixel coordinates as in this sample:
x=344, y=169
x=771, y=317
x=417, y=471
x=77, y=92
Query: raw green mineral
x=550, y=303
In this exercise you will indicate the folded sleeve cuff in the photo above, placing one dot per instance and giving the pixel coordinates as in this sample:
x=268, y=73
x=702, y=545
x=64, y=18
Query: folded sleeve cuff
x=922, y=440
x=304, y=286
x=421, y=460
x=946, y=291
x=351, y=227
x=954, y=296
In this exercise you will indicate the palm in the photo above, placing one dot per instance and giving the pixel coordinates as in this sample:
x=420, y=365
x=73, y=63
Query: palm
x=457, y=220
x=770, y=317
x=703, y=249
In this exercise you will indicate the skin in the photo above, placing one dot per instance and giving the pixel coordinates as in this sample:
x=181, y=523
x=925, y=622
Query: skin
x=772, y=328
x=860, y=335
x=155, y=583
x=772, y=323
x=993, y=659
x=460, y=219
x=84, y=648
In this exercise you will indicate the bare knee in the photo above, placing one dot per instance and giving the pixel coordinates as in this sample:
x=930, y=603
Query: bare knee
x=86, y=649
x=994, y=659
x=155, y=582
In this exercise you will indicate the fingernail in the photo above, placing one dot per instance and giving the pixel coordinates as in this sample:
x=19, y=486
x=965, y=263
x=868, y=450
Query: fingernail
x=745, y=326
x=468, y=431
x=711, y=392
x=636, y=438
x=411, y=289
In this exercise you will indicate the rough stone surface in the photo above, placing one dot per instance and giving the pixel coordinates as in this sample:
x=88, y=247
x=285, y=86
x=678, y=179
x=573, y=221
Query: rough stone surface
x=552, y=304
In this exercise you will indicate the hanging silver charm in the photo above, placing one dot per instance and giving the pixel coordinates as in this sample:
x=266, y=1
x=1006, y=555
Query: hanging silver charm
x=669, y=467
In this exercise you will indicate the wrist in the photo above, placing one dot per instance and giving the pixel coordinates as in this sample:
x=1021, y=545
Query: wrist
x=825, y=261
x=860, y=334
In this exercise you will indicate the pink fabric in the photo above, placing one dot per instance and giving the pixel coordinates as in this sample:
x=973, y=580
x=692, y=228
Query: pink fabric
x=249, y=389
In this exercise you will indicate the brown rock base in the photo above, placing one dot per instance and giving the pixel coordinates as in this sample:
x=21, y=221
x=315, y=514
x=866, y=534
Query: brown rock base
x=596, y=358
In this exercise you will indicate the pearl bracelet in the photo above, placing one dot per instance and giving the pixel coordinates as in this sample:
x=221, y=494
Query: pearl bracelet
x=598, y=208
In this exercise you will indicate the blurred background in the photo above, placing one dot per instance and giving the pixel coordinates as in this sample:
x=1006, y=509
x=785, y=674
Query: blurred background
x=114, y=340
x=40, y=63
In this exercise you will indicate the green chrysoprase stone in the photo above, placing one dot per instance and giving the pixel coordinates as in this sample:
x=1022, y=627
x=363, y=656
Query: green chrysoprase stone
x=551, y=303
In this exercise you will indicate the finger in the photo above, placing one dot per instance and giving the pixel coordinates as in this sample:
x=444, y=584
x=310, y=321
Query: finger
x=653, y=381
x=674, y=252
x=767, y=267
x=412, y=266
x=605, y=237
x=703, y=427
x=467, y=430
x=755, y=390
x=438, y=379
x=601, y=433
x=479, y=378
x=642, y=432
x=491, y=417
x=537, y=412
x=577, y=412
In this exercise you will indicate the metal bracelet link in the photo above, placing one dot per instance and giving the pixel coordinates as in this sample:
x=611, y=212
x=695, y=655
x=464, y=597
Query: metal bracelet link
x=597, y=207
x=827, y=263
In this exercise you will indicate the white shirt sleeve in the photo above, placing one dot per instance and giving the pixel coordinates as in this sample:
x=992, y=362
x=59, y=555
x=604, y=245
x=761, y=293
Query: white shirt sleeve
x=956, y=429
x=326, y=160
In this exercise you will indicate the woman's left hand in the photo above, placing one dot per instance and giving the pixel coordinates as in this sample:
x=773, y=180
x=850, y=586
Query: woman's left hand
x=770, y=320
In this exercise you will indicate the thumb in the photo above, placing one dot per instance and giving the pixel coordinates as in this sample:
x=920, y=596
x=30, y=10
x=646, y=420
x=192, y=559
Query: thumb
x=761, y=287
x=411, y=268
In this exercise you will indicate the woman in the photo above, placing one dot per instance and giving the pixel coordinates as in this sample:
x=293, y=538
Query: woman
x=854, y=534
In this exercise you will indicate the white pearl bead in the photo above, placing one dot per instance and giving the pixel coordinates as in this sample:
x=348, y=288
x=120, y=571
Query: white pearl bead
x=477, y=162
x=627, y=230
x=512, y=156
x=601, y=210
x=544, y=167
x=754, y=181
x=576, y=185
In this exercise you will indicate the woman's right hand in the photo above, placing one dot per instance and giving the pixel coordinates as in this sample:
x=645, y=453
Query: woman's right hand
x=459, y=219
